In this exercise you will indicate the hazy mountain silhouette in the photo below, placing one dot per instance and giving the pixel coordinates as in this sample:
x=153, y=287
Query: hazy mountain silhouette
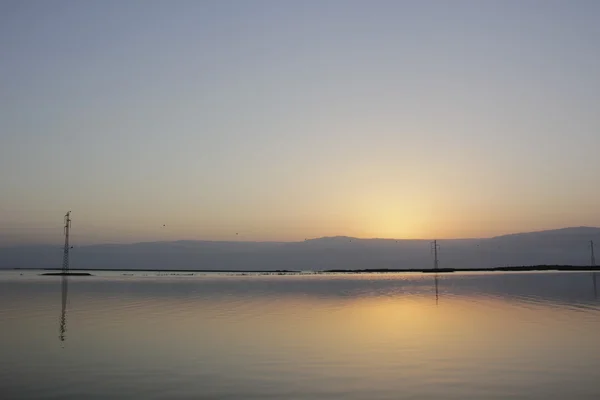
x=569, y=246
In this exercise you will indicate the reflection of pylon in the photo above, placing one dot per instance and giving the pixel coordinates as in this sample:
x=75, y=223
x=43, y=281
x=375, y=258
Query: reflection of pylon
x=65, y=266
x=436, y=289
x=434, y=249
x=63, y=314
x=592, y=250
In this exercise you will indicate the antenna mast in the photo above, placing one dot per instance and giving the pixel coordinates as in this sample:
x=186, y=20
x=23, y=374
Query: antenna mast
x=434, y=249
x=65, y=266
x=592, y=250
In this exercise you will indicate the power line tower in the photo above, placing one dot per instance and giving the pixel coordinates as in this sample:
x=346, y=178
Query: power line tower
x=592, y=253
x=434, y=250
x=65, y=266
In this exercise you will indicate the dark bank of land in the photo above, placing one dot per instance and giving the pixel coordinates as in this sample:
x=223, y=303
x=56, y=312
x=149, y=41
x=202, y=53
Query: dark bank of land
x=493, y=269
x=152, y=270
x=68, y=273
x=348, y=271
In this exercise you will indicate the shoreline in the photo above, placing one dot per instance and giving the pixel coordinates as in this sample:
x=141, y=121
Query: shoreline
x=67, y=274
x=564, y=268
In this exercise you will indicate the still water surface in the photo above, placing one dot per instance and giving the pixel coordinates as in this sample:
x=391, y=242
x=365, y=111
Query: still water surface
x=220, y=336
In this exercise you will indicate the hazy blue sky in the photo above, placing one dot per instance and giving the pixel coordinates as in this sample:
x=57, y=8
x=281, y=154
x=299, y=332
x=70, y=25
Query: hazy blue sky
x=280, y=120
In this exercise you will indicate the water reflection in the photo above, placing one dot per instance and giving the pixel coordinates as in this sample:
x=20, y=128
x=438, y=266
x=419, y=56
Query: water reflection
x=63, y=314
x=595, y=285
x=518, y=336
x=436, y=289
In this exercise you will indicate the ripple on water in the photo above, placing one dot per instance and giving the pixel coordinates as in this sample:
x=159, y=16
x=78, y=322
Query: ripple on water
x=495, y=336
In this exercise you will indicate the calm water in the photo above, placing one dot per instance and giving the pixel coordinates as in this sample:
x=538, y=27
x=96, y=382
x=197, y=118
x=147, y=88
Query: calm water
x=482, y=336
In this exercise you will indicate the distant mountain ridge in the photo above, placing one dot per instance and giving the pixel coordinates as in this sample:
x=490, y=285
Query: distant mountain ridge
x=579, y=230
x=567, y=246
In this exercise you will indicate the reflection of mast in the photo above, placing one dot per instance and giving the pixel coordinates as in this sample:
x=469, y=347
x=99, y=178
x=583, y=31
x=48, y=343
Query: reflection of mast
x=63, y=314
x=595, y=286
x=436, y=289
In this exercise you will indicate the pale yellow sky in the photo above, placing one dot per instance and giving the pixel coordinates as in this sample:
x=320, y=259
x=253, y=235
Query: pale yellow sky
x=403, y=120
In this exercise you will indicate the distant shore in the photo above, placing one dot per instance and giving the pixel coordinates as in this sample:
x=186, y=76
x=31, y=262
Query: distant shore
x=492, y=269
x=68, y=273
x=348, y=271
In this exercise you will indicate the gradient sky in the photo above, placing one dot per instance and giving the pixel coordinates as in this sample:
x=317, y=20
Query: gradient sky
x=281, y=120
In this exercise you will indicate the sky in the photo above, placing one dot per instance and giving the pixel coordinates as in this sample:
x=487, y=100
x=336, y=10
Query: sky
x=283, y=120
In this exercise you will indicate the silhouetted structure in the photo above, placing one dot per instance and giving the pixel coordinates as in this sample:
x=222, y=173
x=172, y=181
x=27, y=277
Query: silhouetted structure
x=593, y=261
x=434, y=248
x=65, y=266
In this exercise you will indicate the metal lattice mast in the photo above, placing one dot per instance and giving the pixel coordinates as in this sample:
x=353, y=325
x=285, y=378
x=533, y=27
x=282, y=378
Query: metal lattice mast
x=65, y=266
x=434, y=249
x=592, y=250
